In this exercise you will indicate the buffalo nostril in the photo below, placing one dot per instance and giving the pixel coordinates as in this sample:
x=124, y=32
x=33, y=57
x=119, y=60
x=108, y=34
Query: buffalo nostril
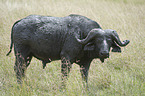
x=104, y=53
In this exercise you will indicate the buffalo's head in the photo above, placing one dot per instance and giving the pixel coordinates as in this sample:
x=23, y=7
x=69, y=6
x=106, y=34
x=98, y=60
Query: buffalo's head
x=100, y=41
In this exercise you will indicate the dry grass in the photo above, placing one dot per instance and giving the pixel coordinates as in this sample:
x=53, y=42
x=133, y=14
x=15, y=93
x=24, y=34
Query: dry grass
x=121, y=75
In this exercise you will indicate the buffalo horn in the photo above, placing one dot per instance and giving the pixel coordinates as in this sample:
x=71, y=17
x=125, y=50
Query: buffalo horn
x=89, y=37
x=118, y=41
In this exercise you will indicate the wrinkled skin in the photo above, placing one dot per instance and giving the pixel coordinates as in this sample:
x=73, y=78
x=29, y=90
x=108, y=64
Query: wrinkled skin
x=73, y=39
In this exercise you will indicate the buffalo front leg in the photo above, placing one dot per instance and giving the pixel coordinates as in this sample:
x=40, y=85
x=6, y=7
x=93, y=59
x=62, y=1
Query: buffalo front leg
x=65, y=69
x=84, y=68
x=84, y=73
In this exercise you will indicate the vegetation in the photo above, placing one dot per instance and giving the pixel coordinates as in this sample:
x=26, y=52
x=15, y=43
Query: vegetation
x=123, y=74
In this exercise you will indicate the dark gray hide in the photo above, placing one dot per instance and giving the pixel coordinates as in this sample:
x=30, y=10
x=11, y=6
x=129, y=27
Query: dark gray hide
x=73, y=39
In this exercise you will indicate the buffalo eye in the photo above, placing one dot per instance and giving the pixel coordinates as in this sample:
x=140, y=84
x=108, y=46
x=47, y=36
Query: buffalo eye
x=109, y=40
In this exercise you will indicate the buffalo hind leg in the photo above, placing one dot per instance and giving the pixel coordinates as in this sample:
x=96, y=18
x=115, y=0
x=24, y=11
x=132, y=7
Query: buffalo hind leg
x=21, y=65
x=65, y=69
x=28, y=60
x=23, y=59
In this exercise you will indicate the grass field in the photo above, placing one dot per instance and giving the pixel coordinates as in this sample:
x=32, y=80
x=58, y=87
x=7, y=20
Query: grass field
x=123, y=74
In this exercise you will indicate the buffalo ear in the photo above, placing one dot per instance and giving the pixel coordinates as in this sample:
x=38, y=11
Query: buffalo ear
x=89, y=46
x=116, y=48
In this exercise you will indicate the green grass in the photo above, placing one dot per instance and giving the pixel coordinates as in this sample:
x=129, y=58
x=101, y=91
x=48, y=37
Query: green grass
x=123, y=74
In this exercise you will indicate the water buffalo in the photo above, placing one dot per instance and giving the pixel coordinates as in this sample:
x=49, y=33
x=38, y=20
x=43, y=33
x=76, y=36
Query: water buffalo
x=73, y=39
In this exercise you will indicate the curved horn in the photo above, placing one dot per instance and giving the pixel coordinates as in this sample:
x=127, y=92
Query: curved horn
x=117, y=39
x=90, y=36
